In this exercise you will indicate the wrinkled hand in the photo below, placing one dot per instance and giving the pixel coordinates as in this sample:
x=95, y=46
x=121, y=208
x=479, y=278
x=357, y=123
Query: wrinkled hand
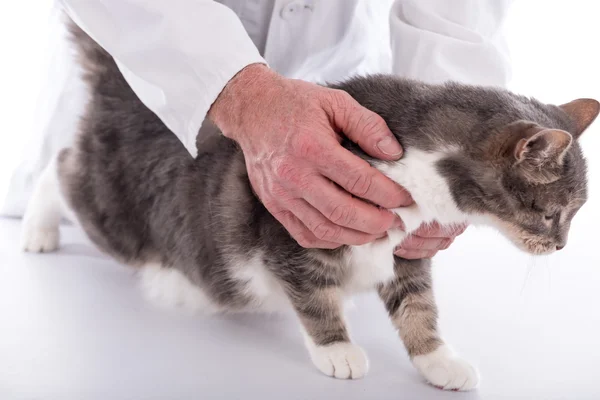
x=289, y=131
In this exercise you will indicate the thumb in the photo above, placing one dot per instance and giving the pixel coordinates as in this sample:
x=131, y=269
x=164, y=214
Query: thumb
x=366, y=128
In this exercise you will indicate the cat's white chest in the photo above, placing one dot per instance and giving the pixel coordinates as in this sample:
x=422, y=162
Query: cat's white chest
x=373, y=263
x=418, y=173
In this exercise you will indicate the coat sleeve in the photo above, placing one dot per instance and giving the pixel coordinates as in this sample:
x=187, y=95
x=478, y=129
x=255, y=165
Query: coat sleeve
x=460, y=40
x=177, y=55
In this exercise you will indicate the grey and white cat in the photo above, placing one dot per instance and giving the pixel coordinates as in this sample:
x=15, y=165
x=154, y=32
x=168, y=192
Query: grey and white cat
x=202, y=239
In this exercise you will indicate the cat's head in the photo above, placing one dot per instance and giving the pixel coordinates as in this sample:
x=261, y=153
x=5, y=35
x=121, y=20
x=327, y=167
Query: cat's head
x=528, y=177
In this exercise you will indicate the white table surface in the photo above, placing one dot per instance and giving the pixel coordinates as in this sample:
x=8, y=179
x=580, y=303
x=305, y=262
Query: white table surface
x=74, y=325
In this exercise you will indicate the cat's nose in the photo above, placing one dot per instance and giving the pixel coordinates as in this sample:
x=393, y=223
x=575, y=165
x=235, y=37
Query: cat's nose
x=558, y=247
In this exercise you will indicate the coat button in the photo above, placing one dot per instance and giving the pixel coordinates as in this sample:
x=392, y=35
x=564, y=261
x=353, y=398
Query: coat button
x=294, y=9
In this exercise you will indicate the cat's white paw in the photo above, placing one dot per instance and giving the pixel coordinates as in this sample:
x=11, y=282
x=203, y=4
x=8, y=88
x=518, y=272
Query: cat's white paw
x=36, y=238
x=445, y=370
x=340, y=360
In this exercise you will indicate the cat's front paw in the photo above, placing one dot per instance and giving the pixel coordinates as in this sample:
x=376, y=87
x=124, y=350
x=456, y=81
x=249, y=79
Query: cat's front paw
x=340, y=360
x=445, y=370
x=36, y=238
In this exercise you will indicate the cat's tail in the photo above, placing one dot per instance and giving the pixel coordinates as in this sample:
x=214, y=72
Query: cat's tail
x=99, y=67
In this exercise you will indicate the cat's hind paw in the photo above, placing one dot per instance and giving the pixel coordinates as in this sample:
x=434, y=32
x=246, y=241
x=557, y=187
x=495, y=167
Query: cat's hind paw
x=446, y=371
x=340, y=360
x=39, y=239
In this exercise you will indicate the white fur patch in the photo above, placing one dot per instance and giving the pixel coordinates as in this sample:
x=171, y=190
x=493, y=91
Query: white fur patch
x=340, y=360
x=373, y=263
x=417, y=172
x=40, y=231
x=261, y=285
x=171, y=288
x=445, y=370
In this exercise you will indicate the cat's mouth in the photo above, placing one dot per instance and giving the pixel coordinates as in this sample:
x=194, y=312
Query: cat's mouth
x=524, y=240
x=528, y=242
x=537, y=246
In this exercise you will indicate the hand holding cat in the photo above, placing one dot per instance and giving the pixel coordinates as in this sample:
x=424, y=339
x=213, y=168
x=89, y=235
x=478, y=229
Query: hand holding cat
x=289, y=133
x=428, y=240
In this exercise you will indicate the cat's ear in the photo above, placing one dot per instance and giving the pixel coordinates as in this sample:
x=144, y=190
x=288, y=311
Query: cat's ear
x=582, y=112
x=546, y=146
x=540, y=157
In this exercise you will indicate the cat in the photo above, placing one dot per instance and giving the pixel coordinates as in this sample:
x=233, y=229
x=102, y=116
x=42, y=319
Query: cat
x=203, y=240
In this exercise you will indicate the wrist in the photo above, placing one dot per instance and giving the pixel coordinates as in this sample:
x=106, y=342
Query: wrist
x=235, y=103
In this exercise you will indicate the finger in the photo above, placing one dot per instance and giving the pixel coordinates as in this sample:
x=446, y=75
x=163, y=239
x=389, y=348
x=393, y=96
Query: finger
x=342, y=209
x=356, y=176
x=446, y=244
x=460, y=229
x=300, y=232
x=435, y=230
x=365, y=128
x=422, y=243
x=414, y=254
x=326, y=230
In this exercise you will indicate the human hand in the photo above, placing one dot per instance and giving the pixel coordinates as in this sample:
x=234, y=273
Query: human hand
x=426, y=241
x=289, y=131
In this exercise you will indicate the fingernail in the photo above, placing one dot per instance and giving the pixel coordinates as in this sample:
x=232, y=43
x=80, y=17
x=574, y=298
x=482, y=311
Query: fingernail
x=400, y=251
x=398, y=223
x=407, y=200
x=390, y=147
x=461, y=230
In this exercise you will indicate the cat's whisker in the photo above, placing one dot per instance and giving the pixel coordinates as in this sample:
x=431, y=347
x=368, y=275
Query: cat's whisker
x=530, y=267
x=548, y=268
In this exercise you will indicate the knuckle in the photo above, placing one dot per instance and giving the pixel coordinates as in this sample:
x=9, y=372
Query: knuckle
x=360, y=184
x=342, y=214
x=289, y=174
x=285, y=170
x=278, y=192
x=305, y=146
x=336, y=101
x=369, y=125
x=304, y=183
x=327, y=232
x=340, y=98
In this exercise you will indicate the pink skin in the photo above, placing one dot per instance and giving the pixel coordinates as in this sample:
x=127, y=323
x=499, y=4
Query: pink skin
x=428, y=240
x=289, y=132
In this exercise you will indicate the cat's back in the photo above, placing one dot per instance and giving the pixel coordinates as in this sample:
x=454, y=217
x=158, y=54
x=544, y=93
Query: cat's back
x=431, y=117
x=127, y=171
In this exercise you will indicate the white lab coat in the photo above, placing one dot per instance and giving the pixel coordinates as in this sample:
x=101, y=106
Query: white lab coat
x=177, y=55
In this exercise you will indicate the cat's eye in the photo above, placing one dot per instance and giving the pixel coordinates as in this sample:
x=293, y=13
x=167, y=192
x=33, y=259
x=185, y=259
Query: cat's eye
x=552, y=217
